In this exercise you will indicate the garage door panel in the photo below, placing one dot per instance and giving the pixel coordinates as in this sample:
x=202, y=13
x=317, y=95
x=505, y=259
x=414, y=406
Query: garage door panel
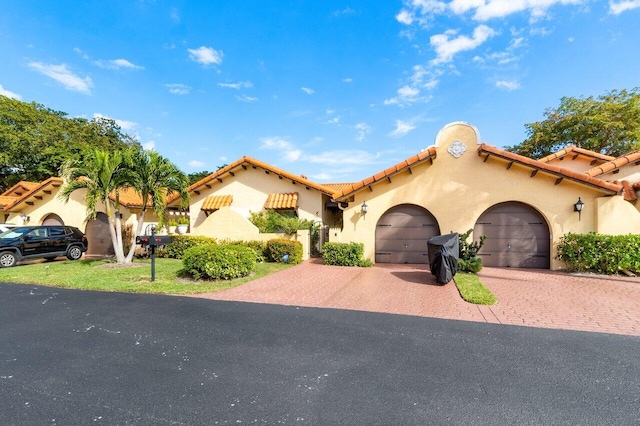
x=514, y=260
x=402, y=234
x=517, y=236
x=402, y=257
x=400, y=245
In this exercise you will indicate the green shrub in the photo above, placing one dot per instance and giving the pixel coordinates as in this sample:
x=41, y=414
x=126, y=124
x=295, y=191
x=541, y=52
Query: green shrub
x=270, y=221
x=467, y=259
x=180, y=243
x=603, y=254
x=472, y=265
x=219, y=262
x=345, y=254
x=260, y=247
x=277, y=248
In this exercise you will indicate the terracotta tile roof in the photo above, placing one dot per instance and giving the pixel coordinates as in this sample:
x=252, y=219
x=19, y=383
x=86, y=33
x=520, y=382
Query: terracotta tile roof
x=42, y=187
x=628, y=191
x=351, y=188
x=129, y=198
x=215, y=202
x=5, y=200
x=282, y=201
x=609, y=187
x=244, y=163
x=337, y=187
x=572, y=149
x=623, y=160
x=20, y=188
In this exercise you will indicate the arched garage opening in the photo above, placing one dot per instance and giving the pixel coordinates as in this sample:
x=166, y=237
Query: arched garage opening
x=53, y=220
x=402, y=234
x=98, y=237
x=517, y=236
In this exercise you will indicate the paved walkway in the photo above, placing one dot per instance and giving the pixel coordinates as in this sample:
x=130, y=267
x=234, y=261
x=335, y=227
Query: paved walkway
x=526, y=297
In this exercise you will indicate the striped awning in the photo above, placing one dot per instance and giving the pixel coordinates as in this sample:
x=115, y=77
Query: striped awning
x=282, y=201
x=214, y=202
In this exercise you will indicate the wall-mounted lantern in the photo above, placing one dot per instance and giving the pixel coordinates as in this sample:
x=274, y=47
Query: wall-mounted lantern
x=24, y=218
x=578, y=206
x=363, y=209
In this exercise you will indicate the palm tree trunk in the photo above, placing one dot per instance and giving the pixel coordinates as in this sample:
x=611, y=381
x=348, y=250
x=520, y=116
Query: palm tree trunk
x=138, y=232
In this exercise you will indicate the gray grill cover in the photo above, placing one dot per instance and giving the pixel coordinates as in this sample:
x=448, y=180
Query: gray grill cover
x=443, y=257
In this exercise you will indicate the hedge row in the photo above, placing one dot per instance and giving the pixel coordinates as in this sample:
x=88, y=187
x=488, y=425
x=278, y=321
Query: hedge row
x=219, y=262
x=603, y=254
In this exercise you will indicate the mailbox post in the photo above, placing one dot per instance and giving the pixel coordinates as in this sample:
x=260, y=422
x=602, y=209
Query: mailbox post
x=150, y=242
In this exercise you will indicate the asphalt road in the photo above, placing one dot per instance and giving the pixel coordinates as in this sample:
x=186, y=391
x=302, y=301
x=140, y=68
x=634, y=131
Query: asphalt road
x=81, y=358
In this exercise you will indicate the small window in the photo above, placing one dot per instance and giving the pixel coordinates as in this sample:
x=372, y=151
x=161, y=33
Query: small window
x=56, y=231
x=38, y=233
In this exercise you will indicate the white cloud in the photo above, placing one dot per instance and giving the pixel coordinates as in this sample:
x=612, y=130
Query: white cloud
x=206, y=55
x=406, y=95
x=363, y=129
x=508, y=85
x=238, y=85
x=446, y=46
x=347, y=80
x=246, y=98
x=307, y=90
x=342, y=157
x=116, y=64
x=405, y=17
x=9, y=94
x=616, y=8
x=196, y=163
x=402, y=128
x=178, y=89
x=174, y=14
x=149, y=146
x=64, y=76
x=275, y=143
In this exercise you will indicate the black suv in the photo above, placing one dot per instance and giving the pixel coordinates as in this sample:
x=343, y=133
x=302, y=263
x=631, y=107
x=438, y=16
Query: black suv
x=49, y=242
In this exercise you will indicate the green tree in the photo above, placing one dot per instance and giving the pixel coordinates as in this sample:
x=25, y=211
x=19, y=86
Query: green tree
x=35, y=141
x=100, y=173
x=609, y=124
x=196, y=176
x=154, y=178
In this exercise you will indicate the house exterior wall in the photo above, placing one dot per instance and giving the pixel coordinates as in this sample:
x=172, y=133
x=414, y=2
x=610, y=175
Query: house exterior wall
x=250, y=189
x=456, y=191
x=579, y=164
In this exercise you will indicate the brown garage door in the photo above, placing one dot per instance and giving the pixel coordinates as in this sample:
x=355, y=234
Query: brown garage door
x=98, y=237
x=402, y=234
x=517, y=236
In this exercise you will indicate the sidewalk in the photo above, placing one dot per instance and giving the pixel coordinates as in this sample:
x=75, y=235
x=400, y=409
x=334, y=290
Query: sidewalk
x=535, y=298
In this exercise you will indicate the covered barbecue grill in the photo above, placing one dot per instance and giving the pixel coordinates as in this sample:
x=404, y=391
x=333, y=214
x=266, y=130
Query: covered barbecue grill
x=443, y=256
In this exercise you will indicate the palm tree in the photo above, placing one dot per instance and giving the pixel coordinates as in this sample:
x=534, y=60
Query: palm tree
x=155, y=178
x=101, y=173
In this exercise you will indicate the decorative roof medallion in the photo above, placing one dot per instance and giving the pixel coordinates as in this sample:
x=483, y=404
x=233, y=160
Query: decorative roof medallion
x=457, y=149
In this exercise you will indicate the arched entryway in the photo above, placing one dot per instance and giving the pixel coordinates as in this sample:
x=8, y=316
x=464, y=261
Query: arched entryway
x=53, y=220
x=98, y=237
x=402, y=234
x=517, y=236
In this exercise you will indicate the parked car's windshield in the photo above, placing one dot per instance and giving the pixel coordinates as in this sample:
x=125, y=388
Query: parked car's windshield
x=14, y=233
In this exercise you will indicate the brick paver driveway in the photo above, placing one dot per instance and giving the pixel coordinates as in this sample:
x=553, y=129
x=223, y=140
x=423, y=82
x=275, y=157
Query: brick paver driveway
x=526, y=297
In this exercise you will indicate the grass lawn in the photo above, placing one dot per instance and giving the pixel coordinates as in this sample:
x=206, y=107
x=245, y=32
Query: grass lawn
x=106, y=276
x=472, y=290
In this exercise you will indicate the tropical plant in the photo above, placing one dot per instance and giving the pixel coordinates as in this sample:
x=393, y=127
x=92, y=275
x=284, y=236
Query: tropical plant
x=154, y=178
x=101, y=173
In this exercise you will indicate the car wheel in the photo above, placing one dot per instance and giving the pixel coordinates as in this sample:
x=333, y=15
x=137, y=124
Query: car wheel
x=7, y=259
x=74, y=253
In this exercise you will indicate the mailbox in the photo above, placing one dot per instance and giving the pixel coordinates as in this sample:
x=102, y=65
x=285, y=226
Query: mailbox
x=152, y=240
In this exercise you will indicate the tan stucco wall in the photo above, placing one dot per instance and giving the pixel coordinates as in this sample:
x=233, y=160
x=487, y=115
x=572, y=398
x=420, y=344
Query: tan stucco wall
x=615, y=216
x=250, y=189
x=578, y=164
x=629, y=173
x=458, y=190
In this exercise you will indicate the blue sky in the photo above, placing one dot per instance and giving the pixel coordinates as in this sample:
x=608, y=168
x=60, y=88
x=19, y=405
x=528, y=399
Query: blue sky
x=334, y=90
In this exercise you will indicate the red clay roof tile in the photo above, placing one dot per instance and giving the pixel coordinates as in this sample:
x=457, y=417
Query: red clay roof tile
x=572, y=149
x=551, y=169
x=282, y=201
x=215, y=202
x=623, y=160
